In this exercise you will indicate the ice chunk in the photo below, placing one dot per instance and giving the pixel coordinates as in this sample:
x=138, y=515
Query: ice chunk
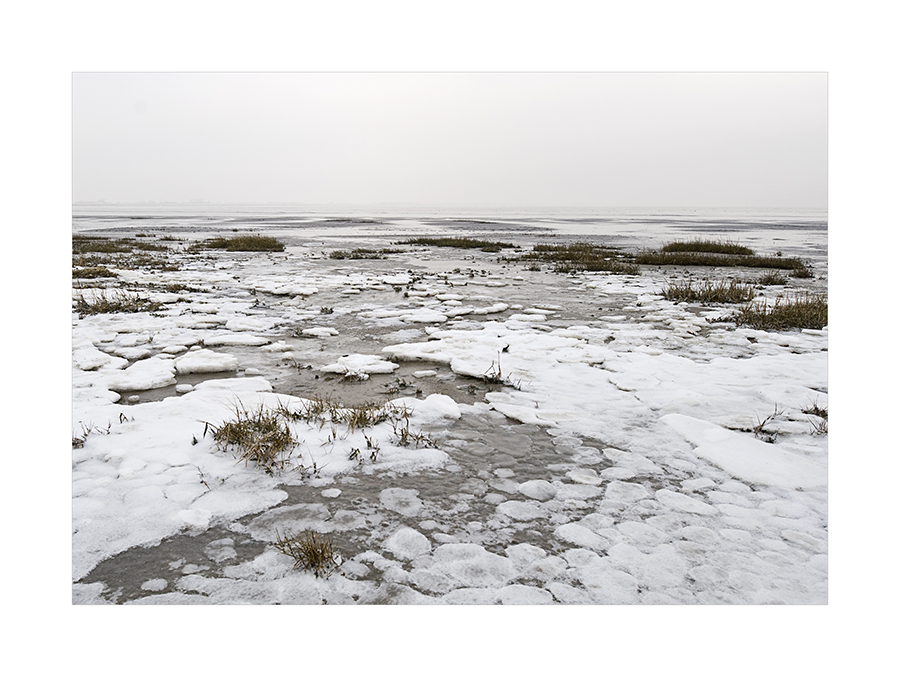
x=320, y=332
x=205, y=361
x=361, y=364
x=237, y=339
x=407, y=543
x=522, y=511
x=747, y=458
x=402, y=278
x=540, y=490
x=626, y=492
x=524, y=594
x=404, y=501
x=472, y=565
x=585, y=476
x=155, y=584
x=581, y=536
x=154, y=372
x=676, y=501
x=253, y=384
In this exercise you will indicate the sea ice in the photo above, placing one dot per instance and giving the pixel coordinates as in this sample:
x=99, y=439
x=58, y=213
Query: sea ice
x=407, y=544
x=205, y=361
x=747, y=458
x=154, y=372
x=361, y=364
x=403, y=501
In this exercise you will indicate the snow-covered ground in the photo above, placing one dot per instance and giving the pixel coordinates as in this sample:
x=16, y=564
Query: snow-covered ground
x=613, y=462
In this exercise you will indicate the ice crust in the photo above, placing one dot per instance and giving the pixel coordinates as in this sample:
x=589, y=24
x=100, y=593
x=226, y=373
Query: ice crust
x=659, y=491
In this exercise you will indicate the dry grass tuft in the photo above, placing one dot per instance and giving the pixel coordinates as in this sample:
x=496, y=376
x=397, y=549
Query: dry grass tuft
x=709, y=247
x=582, y=256
x=242, y=243
x=310, y=550
x=461, y=243
x=261, y=436
x=708, y=292
x=92, y=272
x=806, y=311
x=770, y=279
x=117, y=301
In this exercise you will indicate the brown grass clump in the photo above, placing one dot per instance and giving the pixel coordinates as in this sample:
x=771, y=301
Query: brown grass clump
x=581, y=256
x=660, y=258
x=261, y=436
x=83, y=244
x=118, y=301
x=770, y=279
x=708, y=292
x=807, y=311
x=361, y=253
x=461, y=242
x=709, y=247
x=242, y=243
x=92, y=272
x=310, y=550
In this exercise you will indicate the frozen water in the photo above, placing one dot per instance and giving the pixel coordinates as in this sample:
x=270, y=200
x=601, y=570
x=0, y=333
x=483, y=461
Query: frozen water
x=572, y=439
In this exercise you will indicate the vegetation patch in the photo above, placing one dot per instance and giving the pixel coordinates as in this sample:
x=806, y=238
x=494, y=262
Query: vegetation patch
x=92, y=272
x=461, y=243
x=242, y=243
x=582, y=256
x=261, y=436
x=660, y=258
x=709, y=292
x=361, y=253
x=321, y=411
x=806, y=311
x=117, y=301
x=709, y=247
x=311, y=551
x=83, y=244
x=772, y=279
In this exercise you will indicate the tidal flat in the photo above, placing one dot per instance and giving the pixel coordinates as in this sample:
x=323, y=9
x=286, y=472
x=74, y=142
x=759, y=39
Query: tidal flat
x=470, y=424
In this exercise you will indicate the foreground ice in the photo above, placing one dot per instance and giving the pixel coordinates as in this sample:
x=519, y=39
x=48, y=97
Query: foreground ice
x=608, y=454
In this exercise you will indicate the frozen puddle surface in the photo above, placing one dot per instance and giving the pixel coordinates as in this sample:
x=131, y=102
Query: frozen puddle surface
x=565, y=439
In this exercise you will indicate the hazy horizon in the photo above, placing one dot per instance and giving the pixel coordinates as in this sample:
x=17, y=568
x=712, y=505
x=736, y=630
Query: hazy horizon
x=452, y=140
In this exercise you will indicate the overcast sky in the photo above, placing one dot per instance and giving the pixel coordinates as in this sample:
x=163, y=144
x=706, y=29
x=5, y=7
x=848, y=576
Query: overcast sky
x=495, y=140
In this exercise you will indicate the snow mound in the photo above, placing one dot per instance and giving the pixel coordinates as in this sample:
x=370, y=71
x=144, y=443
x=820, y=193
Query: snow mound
x=407, y=543
x=320, y=332
x=205, y=361
x=747, y=458
x=154, y=372
x=361, y=364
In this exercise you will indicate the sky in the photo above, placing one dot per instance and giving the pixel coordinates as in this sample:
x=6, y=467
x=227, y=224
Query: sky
x=527, y=140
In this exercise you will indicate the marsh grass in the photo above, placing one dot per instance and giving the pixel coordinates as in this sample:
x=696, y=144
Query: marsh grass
x=241, y=243
x=760, y=431
x=261, y=436
x=709, y=247
x=311, y=551
x=802, y=311
x=709, y=292
x=84, y=244
x=815, y=410
x=92, y=272
x=581, y=256
x=361, y=253
x=115, y=301
x=405, y=437
x=772, y=279
x=660, y=258
x=125, y=260
x=461, y=243
x=321, y=411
